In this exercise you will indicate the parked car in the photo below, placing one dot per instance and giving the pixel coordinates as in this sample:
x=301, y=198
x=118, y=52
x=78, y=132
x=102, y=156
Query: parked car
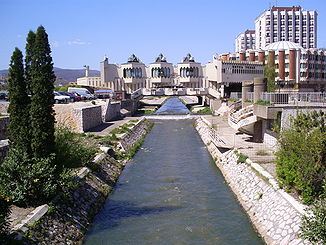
x=83, y=92
x=4, y=96
x=73, y=97
x=59, y=98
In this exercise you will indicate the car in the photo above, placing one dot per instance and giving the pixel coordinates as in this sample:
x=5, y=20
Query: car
x=73, y=97
x=3, y=96
x=83, y=92
x=59, y=98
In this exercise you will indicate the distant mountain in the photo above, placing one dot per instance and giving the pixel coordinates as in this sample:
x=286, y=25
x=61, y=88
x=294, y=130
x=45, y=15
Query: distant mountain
x=64, y=76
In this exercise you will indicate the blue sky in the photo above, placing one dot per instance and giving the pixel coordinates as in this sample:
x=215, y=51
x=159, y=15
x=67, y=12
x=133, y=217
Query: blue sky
x=83, y=31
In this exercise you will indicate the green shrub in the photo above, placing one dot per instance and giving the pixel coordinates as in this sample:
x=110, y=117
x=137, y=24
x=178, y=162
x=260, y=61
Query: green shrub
x=301, y=156
x=28, y=181
x=262, y=153
x=248, y=101
x=313, y=226
x=205, y=110
x=242, y=158
x=4, y=213
x=69, y=150
x=263, y=102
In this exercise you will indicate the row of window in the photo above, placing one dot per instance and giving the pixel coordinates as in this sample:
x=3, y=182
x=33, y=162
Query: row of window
x=132, y=73
x=161, y=72
x=189, y=72
x=241, y=71
x=290, y=16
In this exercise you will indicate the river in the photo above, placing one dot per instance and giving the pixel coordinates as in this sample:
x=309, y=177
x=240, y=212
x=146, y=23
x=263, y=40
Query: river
x=172, y=193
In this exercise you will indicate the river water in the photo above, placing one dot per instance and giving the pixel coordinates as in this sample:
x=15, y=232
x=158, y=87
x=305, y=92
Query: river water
x=172, y=193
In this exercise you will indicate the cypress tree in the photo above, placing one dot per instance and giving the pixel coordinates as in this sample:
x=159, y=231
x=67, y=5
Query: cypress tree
x=42, y=100
x=18, y=107
x=30, y=40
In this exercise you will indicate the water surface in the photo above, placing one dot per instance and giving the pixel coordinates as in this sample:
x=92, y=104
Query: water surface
x=173, y=106
x=172, y=193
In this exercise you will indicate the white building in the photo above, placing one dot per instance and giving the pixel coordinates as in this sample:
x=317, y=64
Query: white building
x=245, y=41
x=286, y=24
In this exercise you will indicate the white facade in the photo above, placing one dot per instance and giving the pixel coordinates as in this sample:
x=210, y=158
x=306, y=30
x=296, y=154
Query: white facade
x=245, y=41
x=286, y=24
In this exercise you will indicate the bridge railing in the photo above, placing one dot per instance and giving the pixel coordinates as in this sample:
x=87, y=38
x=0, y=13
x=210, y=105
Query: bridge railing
x=300, y=98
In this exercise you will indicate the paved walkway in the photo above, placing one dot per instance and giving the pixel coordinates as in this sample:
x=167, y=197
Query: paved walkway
x=260, y=153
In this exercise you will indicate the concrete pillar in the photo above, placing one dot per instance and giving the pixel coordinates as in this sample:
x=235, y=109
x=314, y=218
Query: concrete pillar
x=281, y=64
x=246, y=87
x=258, y=132
x=252, y=56
x=271, y=58
x=292, y=64
x=242, y=56
x=259, y=87
x=261, y=56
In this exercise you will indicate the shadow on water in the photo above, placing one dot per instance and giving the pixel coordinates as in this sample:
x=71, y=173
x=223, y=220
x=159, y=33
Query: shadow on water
x=116, y=211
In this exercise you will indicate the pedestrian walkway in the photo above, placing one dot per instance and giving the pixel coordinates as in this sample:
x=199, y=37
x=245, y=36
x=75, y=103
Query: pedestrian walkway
x=260, y=153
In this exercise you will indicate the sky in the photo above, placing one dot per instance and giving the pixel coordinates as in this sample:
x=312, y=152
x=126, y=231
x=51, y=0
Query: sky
x=82, y=32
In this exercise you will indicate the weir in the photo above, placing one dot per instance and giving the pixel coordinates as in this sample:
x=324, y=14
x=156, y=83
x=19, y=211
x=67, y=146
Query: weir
x=172, y=193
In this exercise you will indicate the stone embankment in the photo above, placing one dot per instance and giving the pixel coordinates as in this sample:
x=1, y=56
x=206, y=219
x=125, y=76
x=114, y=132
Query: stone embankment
x=275, y=214
x=66, y=218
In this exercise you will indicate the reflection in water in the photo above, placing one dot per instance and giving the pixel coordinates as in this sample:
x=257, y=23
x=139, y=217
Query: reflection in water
x=172, y=193
x=173, y=106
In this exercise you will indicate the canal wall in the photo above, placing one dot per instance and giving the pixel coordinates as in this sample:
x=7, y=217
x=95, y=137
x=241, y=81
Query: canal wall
x=66, y=218
x=275, y=214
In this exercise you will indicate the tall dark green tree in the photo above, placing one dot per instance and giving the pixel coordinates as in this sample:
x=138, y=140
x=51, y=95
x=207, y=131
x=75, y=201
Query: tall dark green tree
x=30, y=40
x=18, y=107
x=42, y=100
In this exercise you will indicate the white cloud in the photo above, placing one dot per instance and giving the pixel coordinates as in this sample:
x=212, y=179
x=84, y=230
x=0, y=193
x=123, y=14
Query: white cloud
x=78, y=42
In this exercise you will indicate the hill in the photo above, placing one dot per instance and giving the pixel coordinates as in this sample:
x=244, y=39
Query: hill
x=64, y=76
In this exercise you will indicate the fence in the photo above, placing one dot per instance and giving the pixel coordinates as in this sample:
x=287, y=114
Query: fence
x=301, y=98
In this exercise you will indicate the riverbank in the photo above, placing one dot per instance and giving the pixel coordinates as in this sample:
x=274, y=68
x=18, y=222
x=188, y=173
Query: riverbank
x=275, y=214
x=66, y=218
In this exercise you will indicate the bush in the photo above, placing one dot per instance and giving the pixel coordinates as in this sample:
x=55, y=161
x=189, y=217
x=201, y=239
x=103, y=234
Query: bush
x=69, y=150
x=301, y=156
x=28, y=181
x=242, y=158
x=205, y=110
x=4, y=213
x=314, y=225
x=263, y=102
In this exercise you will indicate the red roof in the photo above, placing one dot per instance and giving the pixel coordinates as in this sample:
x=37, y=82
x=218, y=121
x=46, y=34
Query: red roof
x=295, y=8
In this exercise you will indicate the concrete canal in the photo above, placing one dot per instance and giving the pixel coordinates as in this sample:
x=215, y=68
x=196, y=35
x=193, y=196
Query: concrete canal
x=172, y=193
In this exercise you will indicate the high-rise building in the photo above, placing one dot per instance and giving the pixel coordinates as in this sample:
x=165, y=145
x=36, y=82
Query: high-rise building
x=245, y=41
x=286, y=24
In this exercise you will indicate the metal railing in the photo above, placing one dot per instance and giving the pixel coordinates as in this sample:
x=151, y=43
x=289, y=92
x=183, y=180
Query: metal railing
x=300, y=98
x=236, y=95
x=250, y=96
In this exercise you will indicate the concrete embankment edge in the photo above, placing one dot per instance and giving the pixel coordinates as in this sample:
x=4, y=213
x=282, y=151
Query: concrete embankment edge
x=66, y=219
x=275, y=214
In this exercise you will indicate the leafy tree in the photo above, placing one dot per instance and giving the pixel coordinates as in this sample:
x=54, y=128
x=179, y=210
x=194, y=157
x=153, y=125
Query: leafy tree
x=42, y=85
x=270, y=74
x=19, y=104
x=4, y=213
x=301, y=158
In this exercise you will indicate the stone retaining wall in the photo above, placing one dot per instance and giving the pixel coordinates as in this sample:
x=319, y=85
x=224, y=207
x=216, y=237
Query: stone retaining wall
x=4, y=123
x=111, y=111
x=87, y=117
x=68, y=215
x=4, y=149
x=274, y=213
x=135, y=134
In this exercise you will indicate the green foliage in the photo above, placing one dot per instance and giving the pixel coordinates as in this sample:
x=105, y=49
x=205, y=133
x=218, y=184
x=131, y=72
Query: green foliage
x=313, y=226
x=4, y=213
x=262, y=153
x=28, y=181
x=270, y=74
x=263, y=102
x=301, y=156
x=70, y=152
x=205, y=110
x=19, y=104
x=233, y=99
x=42, y=85
x=248, y=101
x=242, y=158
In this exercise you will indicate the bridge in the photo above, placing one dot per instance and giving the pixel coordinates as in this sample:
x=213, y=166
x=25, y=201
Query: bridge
x=138, y=94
